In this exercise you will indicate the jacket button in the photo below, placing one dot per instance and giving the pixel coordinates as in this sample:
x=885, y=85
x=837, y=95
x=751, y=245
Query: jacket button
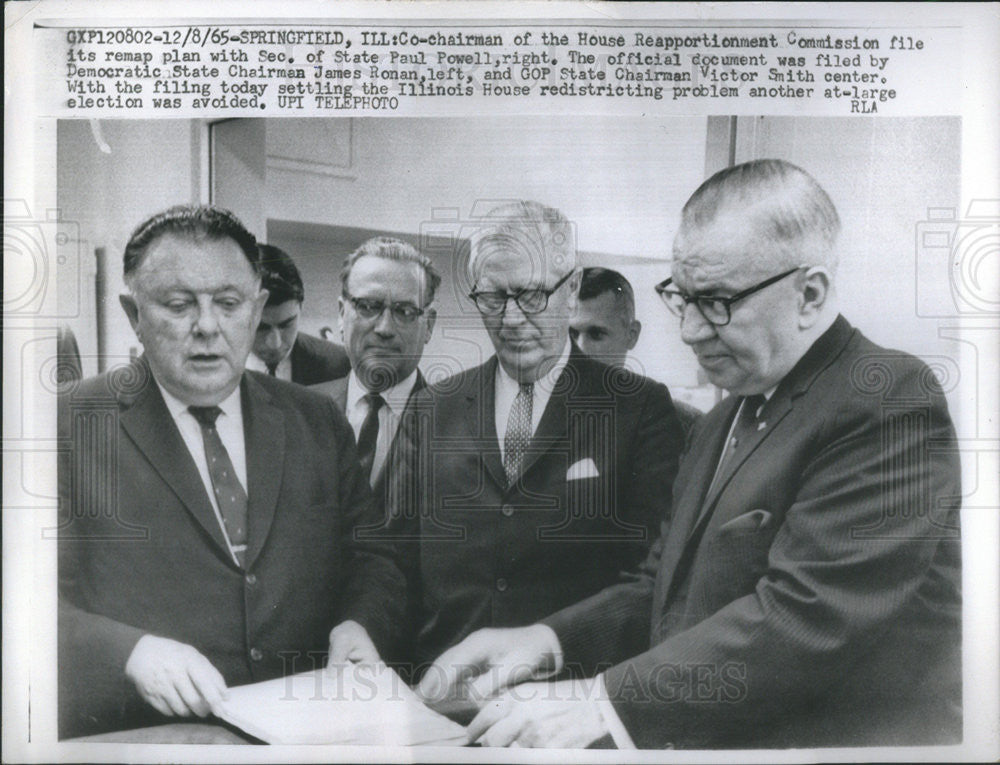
x=256, y=654
x=501, y=584
x=251, y=579
x=507, y=510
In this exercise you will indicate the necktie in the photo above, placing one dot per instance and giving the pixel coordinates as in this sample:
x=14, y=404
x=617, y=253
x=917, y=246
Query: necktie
x=746, y=425
x=272, y=369
x=368, y=435
x=229, y=493
x=515, y=441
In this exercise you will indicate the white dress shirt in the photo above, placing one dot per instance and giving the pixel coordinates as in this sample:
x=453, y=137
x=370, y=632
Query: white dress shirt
x=506, y=388
x=283, y=371
x=388, y=416
x=230, y=429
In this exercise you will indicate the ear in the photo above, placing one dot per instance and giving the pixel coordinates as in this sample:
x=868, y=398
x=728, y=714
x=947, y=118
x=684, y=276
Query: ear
x=340, y=316
x=131, y=309
x=430, y=316
x=258, y=308
x=634, y=328
x=573, y=285
x=814, y=289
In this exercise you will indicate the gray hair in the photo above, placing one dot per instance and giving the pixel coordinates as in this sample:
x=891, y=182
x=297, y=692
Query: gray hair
x=540, y=232
x=788, y=206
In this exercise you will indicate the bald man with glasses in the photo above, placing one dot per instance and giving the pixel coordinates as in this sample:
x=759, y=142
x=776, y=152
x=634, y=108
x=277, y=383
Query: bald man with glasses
x=535, y=479
x=808, y=592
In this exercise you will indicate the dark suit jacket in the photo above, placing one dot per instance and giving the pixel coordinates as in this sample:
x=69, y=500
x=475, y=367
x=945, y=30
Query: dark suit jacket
x=493, y=555
x=337, y=390
x=813, y=598
x=315, y=360
x=141, y=551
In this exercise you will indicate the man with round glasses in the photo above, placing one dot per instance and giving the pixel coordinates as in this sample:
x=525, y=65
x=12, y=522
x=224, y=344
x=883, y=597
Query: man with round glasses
x=534, y=479
x=808, y=592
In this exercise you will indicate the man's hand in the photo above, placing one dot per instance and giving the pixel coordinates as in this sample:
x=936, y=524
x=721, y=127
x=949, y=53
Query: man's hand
x=349, y=643
x=558, y=715
x=487, y=662
x=174, y=678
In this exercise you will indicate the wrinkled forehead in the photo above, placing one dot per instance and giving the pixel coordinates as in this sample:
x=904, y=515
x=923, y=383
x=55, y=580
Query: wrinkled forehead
x=723, y=253
x=526, y=248
x=499, y=264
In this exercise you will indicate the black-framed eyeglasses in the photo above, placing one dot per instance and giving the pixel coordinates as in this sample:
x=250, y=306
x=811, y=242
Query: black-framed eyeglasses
x=530, y=301
x=716, y=310
x=370, y=308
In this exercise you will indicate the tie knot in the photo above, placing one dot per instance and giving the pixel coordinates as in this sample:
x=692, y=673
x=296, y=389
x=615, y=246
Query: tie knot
x=526, y=389
x=374, y=400
x=206, y=415
x=751, y=405
x=272, y=369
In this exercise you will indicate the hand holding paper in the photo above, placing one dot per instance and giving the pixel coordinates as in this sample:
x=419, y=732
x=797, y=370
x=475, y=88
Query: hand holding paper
x=174, y=678
x=487, y=662
x=349, y=643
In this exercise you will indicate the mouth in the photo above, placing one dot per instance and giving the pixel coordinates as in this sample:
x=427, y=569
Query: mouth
x=205, y=359
x=712, y=359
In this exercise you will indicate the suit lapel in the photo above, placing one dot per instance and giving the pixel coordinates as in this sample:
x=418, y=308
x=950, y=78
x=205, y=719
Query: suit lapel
x=264, y=435
x=553, y=425
x=418, y=385
x=822, y=353
x=147, y=421
x=771, y=414
x=480, y=416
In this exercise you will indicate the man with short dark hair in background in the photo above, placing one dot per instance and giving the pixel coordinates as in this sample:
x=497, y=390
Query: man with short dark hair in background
x=208, y=514
x=808, y=592
x=279, y=349
x=605, y=328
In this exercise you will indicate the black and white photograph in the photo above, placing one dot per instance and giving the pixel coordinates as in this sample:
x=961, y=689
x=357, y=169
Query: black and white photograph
x=407, y=387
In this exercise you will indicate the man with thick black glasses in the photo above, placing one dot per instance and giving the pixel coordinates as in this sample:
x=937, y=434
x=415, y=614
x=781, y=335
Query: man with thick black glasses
x=533, y=480
x=808, y=592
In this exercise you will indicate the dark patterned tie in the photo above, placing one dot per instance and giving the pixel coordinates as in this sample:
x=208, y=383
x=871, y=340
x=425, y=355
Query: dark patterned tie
x=746, y=425
x=368, y=435
x=229, y=493
x=515, y=441
x=272, y=369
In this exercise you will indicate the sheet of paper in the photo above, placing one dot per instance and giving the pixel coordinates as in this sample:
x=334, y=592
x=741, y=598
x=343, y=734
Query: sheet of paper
x=342, y=705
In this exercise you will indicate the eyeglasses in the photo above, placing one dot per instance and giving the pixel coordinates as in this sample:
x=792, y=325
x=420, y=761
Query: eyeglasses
x=716, y=310
x=530, y=301
x=369, y=308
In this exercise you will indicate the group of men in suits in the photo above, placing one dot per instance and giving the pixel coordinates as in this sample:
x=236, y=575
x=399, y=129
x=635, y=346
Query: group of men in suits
x=535, y=546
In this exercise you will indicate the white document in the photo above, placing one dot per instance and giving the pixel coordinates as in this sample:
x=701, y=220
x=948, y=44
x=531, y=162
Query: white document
x=343, y=705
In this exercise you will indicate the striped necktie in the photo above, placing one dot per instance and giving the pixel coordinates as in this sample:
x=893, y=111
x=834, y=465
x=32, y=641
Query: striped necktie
x=229, y=493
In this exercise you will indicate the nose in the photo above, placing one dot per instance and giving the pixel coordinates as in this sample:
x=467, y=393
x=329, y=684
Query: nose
x=272, y=340
x=385, y=326
x=512, y=314
x=695, y=328
x=206, y=322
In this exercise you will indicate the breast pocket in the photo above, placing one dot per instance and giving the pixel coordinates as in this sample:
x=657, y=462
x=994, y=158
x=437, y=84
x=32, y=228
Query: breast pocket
x=735, y=558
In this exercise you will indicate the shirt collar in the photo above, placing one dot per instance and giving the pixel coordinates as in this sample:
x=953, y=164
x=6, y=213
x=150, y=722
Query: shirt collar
x=546, y=381
x=395, y=397
x=230, y=406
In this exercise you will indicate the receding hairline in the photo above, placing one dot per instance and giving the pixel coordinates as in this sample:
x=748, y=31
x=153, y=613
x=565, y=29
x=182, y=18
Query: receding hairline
x=538, y=232
x=783, y=203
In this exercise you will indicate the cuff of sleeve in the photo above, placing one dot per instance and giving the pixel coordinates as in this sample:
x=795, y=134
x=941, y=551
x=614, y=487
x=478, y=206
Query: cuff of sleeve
x=611, y=719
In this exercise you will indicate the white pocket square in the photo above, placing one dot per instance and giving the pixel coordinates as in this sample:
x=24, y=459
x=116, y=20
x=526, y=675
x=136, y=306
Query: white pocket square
x=582, y=469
